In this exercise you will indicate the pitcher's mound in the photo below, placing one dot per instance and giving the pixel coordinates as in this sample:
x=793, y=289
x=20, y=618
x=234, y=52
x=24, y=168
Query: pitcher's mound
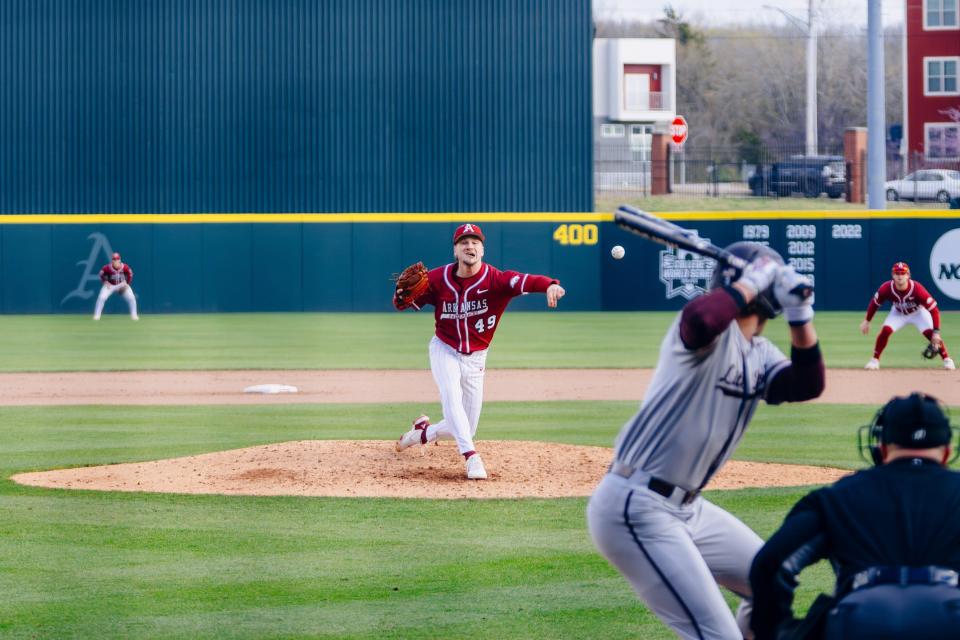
x=372, y=469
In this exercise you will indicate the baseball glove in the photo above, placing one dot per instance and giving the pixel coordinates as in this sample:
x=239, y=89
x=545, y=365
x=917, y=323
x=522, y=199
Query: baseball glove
x=411, y=284
x=930, y=351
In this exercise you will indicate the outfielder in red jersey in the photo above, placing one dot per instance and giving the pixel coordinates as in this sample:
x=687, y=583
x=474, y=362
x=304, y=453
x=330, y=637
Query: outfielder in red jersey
x=116, y=277
x=911, y=304
x=469, y=298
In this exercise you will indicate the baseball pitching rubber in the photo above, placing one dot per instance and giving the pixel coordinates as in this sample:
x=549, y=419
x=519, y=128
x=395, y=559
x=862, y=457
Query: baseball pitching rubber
x=617, y=252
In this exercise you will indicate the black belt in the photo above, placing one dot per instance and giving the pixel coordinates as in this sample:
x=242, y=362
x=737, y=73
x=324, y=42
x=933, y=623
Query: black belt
x=658, y=486
x=903, y=576
x=666, y=489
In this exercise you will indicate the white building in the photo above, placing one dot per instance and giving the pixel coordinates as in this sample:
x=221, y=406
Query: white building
x=634, y=92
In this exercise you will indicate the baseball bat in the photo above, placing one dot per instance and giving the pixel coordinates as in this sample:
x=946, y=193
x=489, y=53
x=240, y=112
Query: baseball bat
x=667, y=233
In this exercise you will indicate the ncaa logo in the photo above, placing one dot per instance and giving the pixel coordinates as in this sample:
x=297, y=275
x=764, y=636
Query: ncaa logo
x=684, y=273
x=945, y=263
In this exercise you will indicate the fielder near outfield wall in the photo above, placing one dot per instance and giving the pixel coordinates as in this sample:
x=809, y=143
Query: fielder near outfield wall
x=343, y=262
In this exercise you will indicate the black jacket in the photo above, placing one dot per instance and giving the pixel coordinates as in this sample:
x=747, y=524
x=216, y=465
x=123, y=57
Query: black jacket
x=905, y=513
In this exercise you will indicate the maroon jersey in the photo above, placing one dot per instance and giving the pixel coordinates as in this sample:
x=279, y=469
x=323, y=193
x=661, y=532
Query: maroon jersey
x=468, y=310
x=906, y=302
x=109, y=275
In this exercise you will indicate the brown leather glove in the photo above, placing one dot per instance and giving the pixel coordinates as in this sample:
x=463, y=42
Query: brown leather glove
x=411, y=284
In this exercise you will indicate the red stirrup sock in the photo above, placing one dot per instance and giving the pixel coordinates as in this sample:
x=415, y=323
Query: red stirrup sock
x=882, y=338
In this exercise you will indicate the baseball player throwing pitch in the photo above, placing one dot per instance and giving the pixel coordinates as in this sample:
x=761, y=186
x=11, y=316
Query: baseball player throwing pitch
x=116, y=278
x=647, y=516
x=469, y=297
x=911, y=304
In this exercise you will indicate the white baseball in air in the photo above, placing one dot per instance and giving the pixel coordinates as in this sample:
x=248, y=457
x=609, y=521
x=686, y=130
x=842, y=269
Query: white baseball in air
x=617, y=252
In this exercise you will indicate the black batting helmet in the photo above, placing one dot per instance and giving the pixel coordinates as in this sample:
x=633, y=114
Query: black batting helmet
x=765, y=304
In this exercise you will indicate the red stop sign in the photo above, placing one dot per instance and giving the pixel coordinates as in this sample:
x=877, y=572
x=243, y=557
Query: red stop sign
x=678, y=130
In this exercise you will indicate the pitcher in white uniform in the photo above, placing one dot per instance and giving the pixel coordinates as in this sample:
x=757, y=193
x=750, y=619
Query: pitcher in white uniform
x=647, y=516
x=469, y=298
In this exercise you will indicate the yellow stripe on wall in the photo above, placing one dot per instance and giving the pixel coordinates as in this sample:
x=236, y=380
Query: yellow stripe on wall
x=334, y=218
x=857, y=214
x=199, y=218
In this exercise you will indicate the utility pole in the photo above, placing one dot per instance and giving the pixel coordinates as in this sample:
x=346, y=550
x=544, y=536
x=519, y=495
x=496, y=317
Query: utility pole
x=876, y=122
x=810, y=28
x=812, y=144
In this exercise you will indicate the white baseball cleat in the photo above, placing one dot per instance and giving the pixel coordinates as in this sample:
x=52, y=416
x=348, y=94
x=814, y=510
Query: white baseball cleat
x=134, y=317
x=416, y=435
x=873, y=365
x=475, y=470
x=948, y=364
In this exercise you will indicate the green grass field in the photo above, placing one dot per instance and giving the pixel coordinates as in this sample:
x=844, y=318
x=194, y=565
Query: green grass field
x=80, y=564
x=390, y=341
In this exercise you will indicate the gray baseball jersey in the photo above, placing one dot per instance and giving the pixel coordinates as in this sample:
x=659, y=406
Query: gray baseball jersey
x=698, y=405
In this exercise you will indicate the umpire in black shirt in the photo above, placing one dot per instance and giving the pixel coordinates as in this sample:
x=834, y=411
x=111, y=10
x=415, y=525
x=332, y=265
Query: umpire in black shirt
x=891, y=532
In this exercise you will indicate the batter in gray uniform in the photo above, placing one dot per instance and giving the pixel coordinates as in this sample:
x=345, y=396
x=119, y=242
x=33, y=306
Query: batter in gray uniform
x=647, y=516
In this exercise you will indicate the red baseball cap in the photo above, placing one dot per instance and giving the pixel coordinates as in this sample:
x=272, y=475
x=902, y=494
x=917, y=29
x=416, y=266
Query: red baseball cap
x=468, y=230
x=116, y=256
x=901, y=267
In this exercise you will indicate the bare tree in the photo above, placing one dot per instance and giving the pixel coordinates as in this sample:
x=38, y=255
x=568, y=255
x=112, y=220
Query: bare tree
x=745, y=86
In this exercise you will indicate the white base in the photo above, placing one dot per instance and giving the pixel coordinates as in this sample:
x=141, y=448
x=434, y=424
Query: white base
x=270, y=388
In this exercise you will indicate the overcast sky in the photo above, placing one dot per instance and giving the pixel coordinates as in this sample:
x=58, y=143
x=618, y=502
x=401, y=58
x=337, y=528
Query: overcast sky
x=851, y=13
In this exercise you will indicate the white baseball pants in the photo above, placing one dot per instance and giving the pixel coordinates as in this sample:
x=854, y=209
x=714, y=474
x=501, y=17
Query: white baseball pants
x=674, y=556
x=920, y=318
x=460, y=380
x=106, y=291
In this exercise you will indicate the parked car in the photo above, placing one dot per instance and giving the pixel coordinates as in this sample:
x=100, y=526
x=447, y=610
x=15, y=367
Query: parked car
x=929, y=184
x=809, y=175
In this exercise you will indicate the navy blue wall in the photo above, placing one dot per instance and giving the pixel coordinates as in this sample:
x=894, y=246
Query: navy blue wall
x=344, y=266
x=848, y=259
x=213, y=267
x=295, y=105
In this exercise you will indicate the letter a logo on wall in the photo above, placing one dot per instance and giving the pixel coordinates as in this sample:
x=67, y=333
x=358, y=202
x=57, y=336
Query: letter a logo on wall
x=91, y=269
x=945, y=263
x=684, y=273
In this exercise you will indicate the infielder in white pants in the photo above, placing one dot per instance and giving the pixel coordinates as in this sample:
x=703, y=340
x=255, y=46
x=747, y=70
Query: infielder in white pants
x=116, y=278
x=469, y=297
x=911, y=303
x=647, y=516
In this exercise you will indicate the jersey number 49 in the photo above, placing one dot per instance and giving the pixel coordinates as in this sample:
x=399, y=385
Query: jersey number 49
x=481, y=327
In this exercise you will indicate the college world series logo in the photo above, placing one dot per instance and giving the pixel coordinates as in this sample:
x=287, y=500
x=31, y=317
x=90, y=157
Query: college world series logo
x=684, y=273
x=91, y=268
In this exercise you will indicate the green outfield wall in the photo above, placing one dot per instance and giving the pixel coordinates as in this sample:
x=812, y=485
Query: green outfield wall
x=167, y=106
x=343, y=262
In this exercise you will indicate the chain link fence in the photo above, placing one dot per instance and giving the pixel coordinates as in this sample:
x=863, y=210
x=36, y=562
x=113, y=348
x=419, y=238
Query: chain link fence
x=627, y=172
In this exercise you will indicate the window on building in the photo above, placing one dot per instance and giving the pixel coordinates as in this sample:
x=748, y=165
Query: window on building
x=940, y=14
x=611, y=130
x=943, y=140
x=941, y=76
x=636, y=91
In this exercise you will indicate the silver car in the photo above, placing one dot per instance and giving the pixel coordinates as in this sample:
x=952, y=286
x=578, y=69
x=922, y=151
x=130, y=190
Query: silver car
x=929, y=184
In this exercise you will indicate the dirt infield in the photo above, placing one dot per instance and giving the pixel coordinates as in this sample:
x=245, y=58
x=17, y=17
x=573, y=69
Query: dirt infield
x=392, y=386
x=372, y=468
